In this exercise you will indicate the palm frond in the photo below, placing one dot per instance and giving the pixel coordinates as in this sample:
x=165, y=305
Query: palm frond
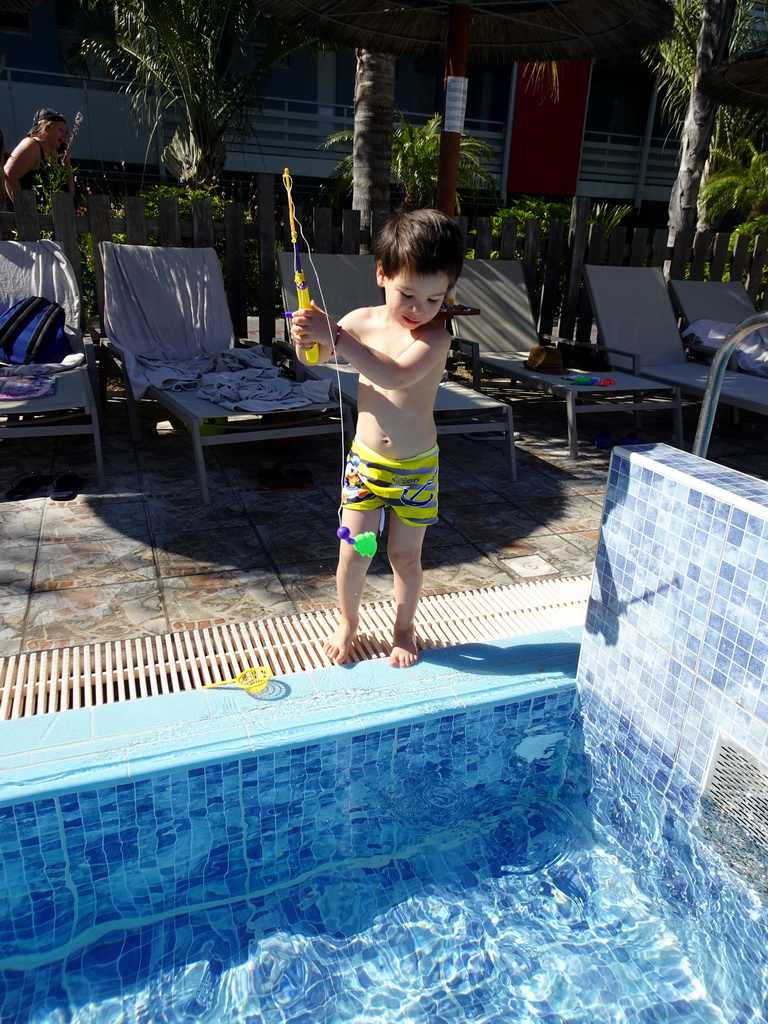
x=415, y=159
x=189, y=56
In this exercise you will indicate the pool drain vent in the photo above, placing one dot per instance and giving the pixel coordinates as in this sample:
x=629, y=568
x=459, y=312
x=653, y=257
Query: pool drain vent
x=59, y=678
x=735, y=811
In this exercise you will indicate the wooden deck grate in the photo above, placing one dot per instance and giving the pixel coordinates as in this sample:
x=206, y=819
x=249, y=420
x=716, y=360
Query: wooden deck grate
x=40, y=682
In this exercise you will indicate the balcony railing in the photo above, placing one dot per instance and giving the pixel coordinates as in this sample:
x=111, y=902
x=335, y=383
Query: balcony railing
x=289, y=132
x=610, y=165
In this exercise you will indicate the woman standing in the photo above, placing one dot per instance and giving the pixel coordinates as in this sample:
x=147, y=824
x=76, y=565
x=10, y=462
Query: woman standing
x=46, y=147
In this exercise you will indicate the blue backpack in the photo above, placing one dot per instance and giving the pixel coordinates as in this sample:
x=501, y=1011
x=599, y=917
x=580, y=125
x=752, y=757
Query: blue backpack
x=32, y=331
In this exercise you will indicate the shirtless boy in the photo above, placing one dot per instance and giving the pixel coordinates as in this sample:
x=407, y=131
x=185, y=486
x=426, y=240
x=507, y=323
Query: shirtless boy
x=400, y=355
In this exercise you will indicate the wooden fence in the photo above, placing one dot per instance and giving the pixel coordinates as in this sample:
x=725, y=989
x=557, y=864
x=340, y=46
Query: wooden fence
x=552, y=261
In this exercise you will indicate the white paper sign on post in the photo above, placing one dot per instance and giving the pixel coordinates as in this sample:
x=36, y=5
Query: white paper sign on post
x=455, y=104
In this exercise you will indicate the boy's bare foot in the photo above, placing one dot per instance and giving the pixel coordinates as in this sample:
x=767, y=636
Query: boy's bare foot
x=404, y=652
x=337, y=646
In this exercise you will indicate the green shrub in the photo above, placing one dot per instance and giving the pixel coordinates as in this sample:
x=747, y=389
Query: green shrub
x=532, y=208
x=751, y=228
x=155, y=193
x=536, y=208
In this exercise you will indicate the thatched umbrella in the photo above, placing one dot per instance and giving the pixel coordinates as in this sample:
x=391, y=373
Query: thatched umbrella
x=484, y=31
x=741, y=81
x=18, y=6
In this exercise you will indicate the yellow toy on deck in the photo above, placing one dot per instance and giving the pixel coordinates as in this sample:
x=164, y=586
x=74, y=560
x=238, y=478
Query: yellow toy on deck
x=252, y=679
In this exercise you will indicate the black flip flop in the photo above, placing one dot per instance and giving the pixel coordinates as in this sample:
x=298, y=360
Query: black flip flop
x=66, y=487
x=25, y=486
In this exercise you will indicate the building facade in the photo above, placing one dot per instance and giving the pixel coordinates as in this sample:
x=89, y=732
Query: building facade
x=595, y=131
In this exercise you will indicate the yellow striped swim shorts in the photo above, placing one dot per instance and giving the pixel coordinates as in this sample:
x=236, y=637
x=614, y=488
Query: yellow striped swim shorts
x=409, y=486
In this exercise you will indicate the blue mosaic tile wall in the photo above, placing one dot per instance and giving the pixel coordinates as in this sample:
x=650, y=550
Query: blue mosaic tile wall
x=675, y=648
x=172, y=846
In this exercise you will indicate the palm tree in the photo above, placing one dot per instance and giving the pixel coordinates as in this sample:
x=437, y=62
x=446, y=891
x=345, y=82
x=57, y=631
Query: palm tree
x=372, y=145
x=188, y=57
x=415, y=155
x=704, y=29
x=740, y=183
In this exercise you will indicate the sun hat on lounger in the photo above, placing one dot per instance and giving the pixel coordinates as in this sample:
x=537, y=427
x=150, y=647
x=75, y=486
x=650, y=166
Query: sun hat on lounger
x=545, y=359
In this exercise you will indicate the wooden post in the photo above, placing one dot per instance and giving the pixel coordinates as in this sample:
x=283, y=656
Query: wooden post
x=702, y=247
x=681, y=251
x=350, y=232
x=531, y=260
x=65, y=231
x=508, y=246
x=170, y=226
x=202, y=224
x=577, y=237
x=265, y=196
x=483, y=238
x=740, y=260
x=616, y=244
x=659, y=247
x=322, y=226
x=234, y=246
x=135, y=221
x=455, y=93
x=719, y=255
x=759, y=257
x=551, y=283
x=100, y=216
x=638, y=247
x=27, y=218
x=596, y=248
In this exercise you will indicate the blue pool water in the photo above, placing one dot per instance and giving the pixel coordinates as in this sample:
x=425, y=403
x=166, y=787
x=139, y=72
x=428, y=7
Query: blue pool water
x=472, y=866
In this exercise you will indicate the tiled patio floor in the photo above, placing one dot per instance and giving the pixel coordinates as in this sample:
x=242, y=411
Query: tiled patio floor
x=147, y=558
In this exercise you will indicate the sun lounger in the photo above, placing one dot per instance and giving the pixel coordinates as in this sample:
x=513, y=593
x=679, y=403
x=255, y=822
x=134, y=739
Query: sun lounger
x=711, y=300
x=42, y=269
x=349, y=282
x=167, y=323
x=338, y=283
x=708, y=310
x=501, y=337
x=634, y=316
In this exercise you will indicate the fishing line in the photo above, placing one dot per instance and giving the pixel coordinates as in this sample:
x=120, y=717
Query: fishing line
x=364, y=543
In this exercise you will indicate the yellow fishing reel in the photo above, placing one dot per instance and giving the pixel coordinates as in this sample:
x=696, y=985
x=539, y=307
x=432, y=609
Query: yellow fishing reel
x=302, y=291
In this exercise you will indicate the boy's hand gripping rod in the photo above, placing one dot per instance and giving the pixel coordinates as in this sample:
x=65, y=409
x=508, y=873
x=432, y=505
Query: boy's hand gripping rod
x=312, y=354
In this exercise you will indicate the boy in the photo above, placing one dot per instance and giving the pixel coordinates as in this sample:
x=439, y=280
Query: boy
x=400, y=355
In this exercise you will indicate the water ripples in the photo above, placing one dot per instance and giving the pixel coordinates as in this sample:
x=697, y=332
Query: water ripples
x=553, y=928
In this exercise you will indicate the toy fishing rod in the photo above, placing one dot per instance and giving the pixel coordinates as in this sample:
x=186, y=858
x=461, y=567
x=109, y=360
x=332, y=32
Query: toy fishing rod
x=302, y=291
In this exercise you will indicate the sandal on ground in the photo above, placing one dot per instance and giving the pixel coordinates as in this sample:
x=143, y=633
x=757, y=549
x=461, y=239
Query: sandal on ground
x=66, y=486
x=25, y=486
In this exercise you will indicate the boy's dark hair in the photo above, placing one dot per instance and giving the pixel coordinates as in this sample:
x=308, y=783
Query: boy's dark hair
x=421, y=242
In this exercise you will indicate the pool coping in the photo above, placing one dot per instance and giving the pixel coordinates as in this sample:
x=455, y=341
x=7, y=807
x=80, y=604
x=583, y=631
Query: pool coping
x=83, y=748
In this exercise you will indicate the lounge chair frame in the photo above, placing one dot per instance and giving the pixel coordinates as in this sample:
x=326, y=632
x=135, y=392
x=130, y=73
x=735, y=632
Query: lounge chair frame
x=41, y=268
x=635, y=317
x=189, y=409
x=500, y=339
x=724, y=301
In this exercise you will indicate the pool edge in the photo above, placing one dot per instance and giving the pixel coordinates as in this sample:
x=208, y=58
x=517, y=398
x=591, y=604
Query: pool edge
x=88, y=747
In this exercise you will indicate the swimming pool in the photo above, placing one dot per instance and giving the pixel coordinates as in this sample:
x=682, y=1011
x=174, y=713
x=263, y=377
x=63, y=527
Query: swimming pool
x=432, y=846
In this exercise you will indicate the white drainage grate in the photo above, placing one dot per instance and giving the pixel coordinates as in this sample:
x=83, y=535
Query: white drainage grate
x=41, y=682
x=735, y=811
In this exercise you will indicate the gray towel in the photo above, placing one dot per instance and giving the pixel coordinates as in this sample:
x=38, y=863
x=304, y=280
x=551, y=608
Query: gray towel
x=164, y=303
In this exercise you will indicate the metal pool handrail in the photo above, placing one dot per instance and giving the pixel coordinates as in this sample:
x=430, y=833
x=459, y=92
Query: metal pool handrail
x=715, y=378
